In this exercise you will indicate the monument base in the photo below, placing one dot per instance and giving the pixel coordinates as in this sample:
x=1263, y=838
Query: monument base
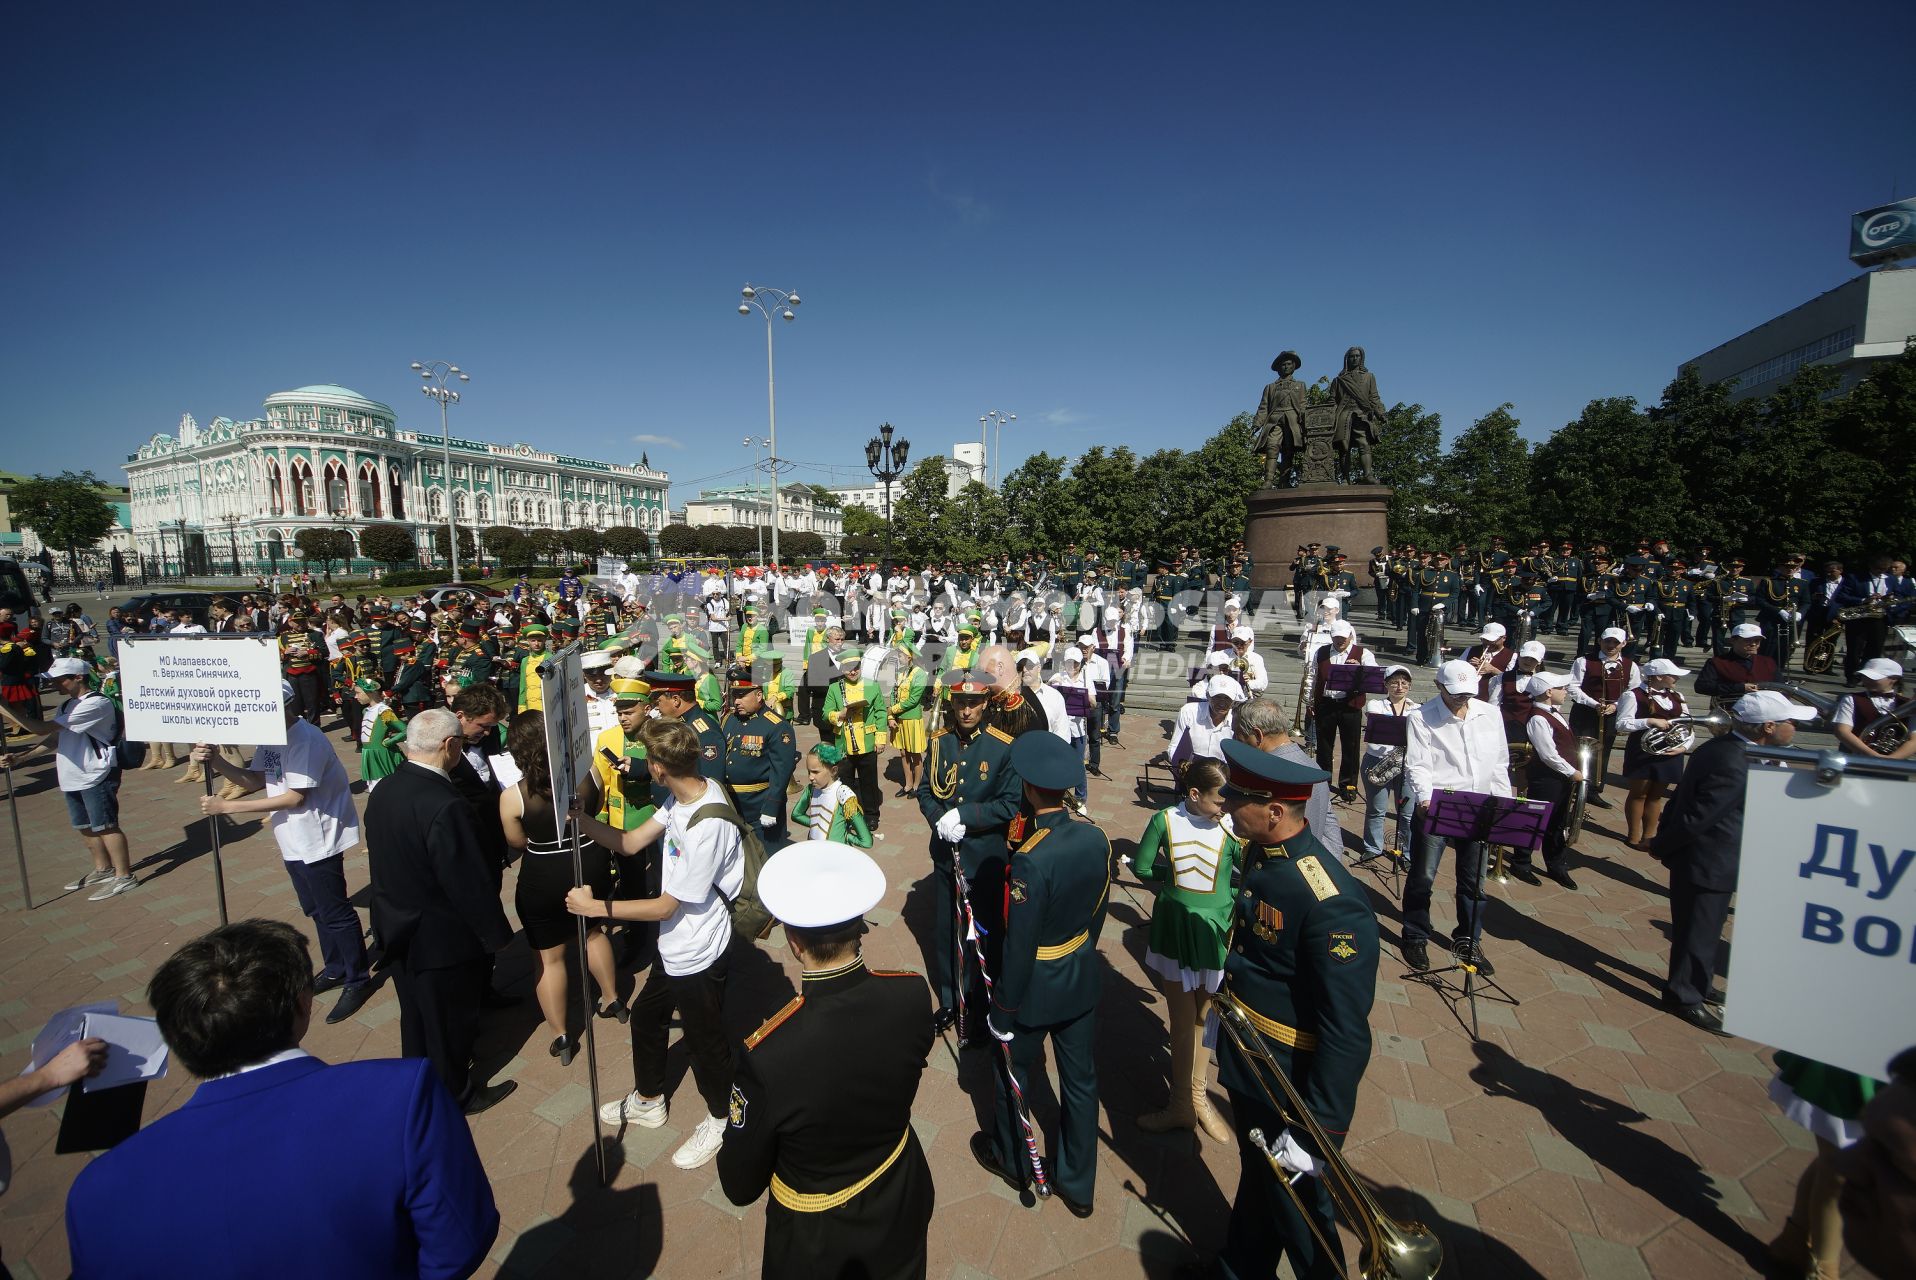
x=1349, y=516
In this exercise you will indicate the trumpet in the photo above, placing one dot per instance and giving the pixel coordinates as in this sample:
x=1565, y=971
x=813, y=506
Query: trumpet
x=1391, y=1250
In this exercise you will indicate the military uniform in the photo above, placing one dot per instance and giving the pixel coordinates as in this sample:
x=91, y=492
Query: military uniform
x=1434, y=587
x=761, y=753
x=1676, y=604
x=1303, y=964
x=972, y=775
x=1600, y=608
x=1049, y=980
x=1566, y=588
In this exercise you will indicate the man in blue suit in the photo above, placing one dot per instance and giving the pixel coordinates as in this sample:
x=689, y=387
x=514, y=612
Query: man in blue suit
x=280, y=1164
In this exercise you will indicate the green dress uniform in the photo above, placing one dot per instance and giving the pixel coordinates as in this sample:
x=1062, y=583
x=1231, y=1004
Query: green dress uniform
x=972, y=774
x=761, y=752
x=1048, y=984
x=820, y=1114
x=1434, y=587
x=1190, y=861
x=1303, y=964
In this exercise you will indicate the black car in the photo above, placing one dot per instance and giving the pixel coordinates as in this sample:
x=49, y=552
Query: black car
x=143, y=605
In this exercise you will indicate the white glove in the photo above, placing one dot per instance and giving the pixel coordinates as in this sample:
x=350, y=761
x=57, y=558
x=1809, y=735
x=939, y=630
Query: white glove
x=1291, y=1156
x=1479, y=590
x=768, y=820
x=949, y=828
x=1006, y=1037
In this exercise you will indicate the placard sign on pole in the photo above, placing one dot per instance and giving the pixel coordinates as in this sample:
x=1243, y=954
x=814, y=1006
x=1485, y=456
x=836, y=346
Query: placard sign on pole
x=223, y=690
x=1825, y=958
x=220, y=689
x=611, y=566
x=568, y=756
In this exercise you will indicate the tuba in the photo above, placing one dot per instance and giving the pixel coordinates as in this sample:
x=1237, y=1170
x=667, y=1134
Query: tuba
x=1580, y=801
x=1680, y=738
x=1391, y=1250
x=1890, y=731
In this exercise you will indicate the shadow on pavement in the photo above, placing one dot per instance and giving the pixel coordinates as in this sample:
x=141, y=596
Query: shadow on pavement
x=1600, y=1128
x=602, y=1223
x=195, y=840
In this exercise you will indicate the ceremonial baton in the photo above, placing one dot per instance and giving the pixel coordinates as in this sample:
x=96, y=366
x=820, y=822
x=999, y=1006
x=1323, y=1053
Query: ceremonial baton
x=19, y=847
x=976, y=937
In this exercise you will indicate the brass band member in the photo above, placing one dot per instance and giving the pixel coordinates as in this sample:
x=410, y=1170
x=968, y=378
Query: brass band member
x=1858, y=712
x=1598, y=682
x=1647, y=770
x=1550, y=774
x=1340, y=716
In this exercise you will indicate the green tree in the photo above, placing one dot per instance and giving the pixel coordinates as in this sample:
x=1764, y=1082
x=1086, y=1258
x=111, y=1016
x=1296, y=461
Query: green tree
x=1041, y=508
x=1166, y=478
x=823, y=497
x=678, y=540
x=803, y=545
x=1874, y=422
x=390, y=544
x=467, y=547
x=975, y=521
x=627, y=543
x=68, y=511
x=919, y=513
x=584, y=543
x=1226, y=474
x=862, y=521
x=1112, y=499
x=1406, y=458
x=1484, y=482
x=547, y=545
x=859, y=548
x=323, y=547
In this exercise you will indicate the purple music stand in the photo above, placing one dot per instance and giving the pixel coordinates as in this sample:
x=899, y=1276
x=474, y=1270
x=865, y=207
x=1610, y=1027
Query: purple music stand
x=1387, y=730
x=1351, y=677
x=1474, y=815
x=1077, y=700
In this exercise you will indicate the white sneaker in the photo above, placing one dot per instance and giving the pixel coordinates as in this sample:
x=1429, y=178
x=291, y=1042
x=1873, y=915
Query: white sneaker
x=112, y=887
x=99, y=875
x=647, y=1113
x=702, y=1145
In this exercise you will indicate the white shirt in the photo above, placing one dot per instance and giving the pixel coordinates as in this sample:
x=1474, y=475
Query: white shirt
x=1096, y=670
x=1253, y=676
x=1457, y=755
x=1066, y=680
x=699, y=865
x=188, y=629
x=1581, y=667
x=1845, y=713
x=1628, y=720
x=600, y=711
x=1543, y=743
x=325, y=824
x=1207, y=739
x=1382, y=707
x=84, y=753
x=1052, y=702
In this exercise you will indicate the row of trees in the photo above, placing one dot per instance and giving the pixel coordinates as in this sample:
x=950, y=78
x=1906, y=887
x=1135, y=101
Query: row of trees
x=1803, y=469
x=737, y=541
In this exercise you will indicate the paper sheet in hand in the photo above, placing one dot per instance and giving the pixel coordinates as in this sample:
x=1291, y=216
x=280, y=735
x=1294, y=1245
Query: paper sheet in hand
x=134, y=1049
x=62, y=1029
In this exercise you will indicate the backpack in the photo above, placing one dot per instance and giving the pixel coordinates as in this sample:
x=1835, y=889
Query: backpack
x=749, y=915
x=126, y=755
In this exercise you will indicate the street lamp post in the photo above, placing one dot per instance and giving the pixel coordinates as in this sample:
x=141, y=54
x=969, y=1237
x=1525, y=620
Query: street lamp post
x=439, y=375
x=887, y=463
x=756, y=299
x=997, y=421
x=756, y=443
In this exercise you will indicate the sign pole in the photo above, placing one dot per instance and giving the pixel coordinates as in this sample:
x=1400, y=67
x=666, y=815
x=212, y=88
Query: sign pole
x=213, y=827
x=19, y=846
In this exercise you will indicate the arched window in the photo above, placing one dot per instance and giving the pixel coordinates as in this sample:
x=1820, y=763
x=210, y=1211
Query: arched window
x=398, y=488
x=335, y=489
x=484, y=502
x=600, y=522
x=461, y=509
x=369, y=504
x=512, y=511
x=436, y=504
x=631, y=517
x=275, y=489
x=302, y=483
x=539, y=512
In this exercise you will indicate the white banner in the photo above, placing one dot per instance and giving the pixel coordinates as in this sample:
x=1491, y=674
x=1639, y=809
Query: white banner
x=219, y=689
x=568, y=730
x=1824, y=962
x=611, y=566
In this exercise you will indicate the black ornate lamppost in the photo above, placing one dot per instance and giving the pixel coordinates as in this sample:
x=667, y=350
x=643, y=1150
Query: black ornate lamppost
x=887, y=462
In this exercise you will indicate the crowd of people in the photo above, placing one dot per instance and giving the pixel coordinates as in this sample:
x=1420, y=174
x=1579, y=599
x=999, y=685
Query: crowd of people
x=701, y=821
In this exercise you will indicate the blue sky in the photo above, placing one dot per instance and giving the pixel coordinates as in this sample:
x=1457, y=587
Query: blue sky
x=1104, y=218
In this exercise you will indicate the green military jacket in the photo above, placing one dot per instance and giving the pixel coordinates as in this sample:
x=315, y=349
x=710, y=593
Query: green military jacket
x=1055, y=889
x=974, y=776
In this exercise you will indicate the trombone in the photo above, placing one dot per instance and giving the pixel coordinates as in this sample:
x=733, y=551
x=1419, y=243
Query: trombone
x=1391, y=1250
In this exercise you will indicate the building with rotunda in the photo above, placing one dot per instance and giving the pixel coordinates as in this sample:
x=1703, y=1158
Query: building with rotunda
x=327, y=457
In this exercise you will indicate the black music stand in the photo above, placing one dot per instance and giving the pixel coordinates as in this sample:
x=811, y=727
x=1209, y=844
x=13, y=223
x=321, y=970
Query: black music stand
x=1382, y=730
x=1483, y=820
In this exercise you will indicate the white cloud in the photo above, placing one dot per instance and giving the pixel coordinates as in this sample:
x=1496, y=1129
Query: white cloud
x=971, y=210
x=669, y=442
x=1061, y=417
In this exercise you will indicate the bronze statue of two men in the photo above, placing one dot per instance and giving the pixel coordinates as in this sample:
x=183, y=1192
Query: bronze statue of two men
x=1357, y=421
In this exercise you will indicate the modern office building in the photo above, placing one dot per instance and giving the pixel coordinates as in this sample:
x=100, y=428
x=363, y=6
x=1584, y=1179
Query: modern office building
x=869, y=496
x=1854, y=327
x=327, y=457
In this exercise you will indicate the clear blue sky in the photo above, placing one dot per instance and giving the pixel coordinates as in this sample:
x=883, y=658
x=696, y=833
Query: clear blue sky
x=1105, y=218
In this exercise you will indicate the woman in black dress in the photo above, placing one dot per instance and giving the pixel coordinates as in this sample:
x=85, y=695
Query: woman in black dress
x=545, y=876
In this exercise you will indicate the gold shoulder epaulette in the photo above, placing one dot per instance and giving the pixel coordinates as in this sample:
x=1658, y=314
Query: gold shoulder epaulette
x=941, y=733
x=771, y=1024
x=999, y=734
x=774, y=717
x=896, y=973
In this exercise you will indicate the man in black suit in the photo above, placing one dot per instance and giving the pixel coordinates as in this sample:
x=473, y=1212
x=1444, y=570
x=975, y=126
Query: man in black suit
x=435, y=905
x=1700, y=840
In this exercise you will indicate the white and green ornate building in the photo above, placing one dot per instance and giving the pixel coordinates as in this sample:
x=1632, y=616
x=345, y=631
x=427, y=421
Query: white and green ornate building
x=326, y=457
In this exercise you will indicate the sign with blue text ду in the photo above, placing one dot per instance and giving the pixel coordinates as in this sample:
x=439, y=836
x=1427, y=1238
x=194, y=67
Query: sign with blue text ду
x=1824, y=963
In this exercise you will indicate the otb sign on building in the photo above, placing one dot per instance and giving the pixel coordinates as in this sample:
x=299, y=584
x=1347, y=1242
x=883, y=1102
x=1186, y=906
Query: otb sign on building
x=219, y=689
x=1824, y=959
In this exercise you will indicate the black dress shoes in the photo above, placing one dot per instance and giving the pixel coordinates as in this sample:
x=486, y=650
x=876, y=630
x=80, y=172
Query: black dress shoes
x=324, y=982
x=351, y=1000
x=1562, y=877
x=1704, y=1018
x=942, y=1020
x=987, y=1157
x=485, y=1099
x=1598, y=802
x=1526, y=874
x=1416, y=954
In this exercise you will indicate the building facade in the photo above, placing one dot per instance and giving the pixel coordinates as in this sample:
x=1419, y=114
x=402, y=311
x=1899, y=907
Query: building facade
x=869, y=496
x=747, y=507
x=1854, y=327
x=239, y=493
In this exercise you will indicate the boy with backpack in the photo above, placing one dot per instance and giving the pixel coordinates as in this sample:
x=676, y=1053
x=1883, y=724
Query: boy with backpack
x=89, y=754
x=704, y=882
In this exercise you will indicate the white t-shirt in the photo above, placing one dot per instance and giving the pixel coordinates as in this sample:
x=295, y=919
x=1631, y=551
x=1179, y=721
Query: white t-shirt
x=326, y=825
x=699, y=866
x=85, y=749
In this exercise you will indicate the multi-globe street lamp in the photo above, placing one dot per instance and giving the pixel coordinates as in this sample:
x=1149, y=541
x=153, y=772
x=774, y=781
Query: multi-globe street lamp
x=439, y=376
x=887, y=463
x=767, y=302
